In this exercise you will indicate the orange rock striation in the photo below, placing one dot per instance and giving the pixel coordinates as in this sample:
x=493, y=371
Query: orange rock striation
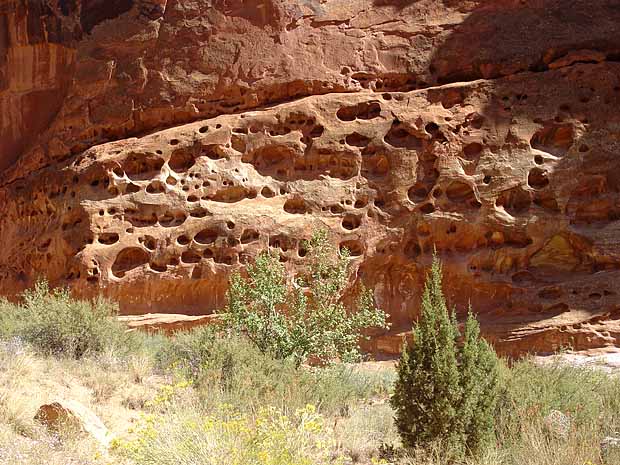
x=149, y=147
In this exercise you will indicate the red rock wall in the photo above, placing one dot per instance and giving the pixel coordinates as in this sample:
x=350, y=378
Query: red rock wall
x=149, y=147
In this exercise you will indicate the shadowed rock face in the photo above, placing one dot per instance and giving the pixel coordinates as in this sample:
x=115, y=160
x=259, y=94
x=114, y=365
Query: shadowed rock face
x=148, y=148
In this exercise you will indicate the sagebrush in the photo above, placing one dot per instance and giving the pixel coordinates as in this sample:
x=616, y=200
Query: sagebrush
x=53, y=322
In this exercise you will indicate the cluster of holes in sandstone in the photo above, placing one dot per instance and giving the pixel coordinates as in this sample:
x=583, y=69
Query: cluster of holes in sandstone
x=147, y=216
x=517, y=201
x=283, y=162
x=402, y=136
x=457, y=195
x=364, y=110
x=556, y=292
x=427, y=177
x=394, y=82
x=446, y=235
x=305, y=124
x=218, y=243
x=302, y=123
x=473, y=122
x=288, y=247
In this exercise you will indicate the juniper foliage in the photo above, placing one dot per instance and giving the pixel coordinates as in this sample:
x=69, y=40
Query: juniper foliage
x=447, y=385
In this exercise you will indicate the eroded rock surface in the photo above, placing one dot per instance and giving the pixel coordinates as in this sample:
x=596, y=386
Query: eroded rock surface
x=181, y=138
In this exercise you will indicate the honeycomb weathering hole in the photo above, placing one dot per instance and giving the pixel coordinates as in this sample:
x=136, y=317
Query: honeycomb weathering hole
x=554, y=138
x=351, y=222
x=427, y=208
x=156, y=187
x=357, y=140
x=462, y=193
x=181, y=160
x=108, y=238
x=353, y=246
x=132, y=188
x=249, y=235
x=295, y=206
x=537, y=179
x=149, y=242
x=230, y=194
x=399, y=136
x=206, y=236
x=515, y=200
x=199, y=213
x=267, y=192
x=128, y=259
x=472, y=151
x=190, y=257
x=158, y=267
x=418, y=192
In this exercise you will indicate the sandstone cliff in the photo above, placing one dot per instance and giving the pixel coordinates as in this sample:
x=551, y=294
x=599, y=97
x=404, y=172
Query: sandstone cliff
x=148, y=147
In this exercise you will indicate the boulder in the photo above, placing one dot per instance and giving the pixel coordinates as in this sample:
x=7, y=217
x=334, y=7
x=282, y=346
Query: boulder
x=64, y=416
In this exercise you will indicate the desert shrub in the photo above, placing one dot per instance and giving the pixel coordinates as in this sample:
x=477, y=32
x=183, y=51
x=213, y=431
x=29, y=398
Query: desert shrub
x=301, y=319
x=54, y=323
x=226, y=436
x=445, y=391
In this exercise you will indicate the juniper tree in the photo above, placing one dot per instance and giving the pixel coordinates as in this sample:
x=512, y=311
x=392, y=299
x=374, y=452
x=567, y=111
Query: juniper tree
x=445, y=391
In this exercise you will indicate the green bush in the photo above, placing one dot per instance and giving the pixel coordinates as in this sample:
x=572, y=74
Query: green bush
x=54, y=323
x=445, y=391
x=301, y=320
